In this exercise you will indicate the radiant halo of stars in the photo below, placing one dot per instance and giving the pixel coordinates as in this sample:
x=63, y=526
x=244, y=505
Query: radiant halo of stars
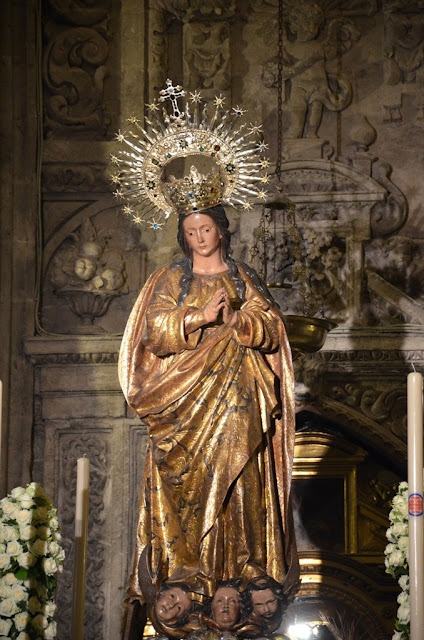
x=188, y=131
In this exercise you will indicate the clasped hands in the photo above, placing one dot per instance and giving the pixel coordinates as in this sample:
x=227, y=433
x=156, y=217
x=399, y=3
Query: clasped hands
x=220, y=300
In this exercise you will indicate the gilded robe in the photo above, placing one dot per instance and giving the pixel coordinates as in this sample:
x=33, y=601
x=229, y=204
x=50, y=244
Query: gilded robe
x=219, y=406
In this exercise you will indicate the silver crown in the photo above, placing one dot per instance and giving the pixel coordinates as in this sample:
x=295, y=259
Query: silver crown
x=231, y=145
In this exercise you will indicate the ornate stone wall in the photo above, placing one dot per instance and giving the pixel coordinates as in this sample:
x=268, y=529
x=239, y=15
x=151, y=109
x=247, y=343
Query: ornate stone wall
x=351, y=161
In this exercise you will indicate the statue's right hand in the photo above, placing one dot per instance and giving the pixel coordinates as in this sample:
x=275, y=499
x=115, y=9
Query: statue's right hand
x=212, y=309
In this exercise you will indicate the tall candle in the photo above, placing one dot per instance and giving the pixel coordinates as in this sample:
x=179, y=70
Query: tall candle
x=415, y=503
x=81, y=534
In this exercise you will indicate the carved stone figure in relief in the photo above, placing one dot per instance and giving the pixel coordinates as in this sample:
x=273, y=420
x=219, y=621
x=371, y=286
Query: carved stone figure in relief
x=308, y=44
x=207, y=55
x=403, y=60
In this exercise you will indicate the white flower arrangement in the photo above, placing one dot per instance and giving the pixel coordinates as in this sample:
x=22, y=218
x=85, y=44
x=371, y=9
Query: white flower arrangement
x=31, y=556
x=397, y=559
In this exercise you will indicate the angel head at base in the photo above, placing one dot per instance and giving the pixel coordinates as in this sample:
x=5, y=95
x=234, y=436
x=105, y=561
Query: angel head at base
x=236, y=609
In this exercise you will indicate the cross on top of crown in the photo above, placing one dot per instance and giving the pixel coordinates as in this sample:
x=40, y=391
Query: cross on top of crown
x=172, y=93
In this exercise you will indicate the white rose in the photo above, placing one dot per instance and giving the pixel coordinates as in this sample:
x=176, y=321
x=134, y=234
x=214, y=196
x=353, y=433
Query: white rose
x=397, y=635
x=19, y=592
x=39, y=622
x=398, y=500
x=54, y=523
x=404, y=613
x=34, y=605
x=14, y=548
x=39, y=547
x=403, y=598
x=397, y=558
x=26, y=501
x=403, y=486
x=4, y=561
x=50, y=609
x=49, y=566
x=17, y=492
x=27, y=532
x=5, y=591
x=2, y=548
x=21, y=620
x=10, y=509
x=5, y=627
x=404, y=582
x=10, y=578
x=397, y=530
x=50, y=631
x=403, y=543
x=8, y=607
x=400, y=505
x=389, y=549
x=54, y=548
x=389, y=534
x=8, y=533
x=26, y=560
x=23, y=517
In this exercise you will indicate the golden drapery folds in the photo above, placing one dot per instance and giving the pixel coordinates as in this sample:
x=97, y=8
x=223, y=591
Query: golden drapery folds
x=219, y=406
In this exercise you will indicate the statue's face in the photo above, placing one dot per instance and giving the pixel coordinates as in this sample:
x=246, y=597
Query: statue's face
x=265, y=603
x=202, y=234
x=225, y=607
x=171, y=604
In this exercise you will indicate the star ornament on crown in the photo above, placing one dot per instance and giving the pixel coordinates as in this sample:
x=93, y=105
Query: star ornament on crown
x=149, y=197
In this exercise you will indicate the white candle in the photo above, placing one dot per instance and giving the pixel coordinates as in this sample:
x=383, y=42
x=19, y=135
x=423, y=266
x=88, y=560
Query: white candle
x=415, y=503
x=81, y=534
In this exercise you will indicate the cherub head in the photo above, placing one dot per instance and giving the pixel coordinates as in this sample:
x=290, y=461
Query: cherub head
x=226, y=606
x=305, y=20
x=172, y=603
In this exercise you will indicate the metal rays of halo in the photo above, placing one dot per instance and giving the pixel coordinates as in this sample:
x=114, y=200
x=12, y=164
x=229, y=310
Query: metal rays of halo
x=145, y=153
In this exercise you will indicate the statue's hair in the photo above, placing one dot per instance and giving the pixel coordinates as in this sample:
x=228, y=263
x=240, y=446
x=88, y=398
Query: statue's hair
x=218, y=215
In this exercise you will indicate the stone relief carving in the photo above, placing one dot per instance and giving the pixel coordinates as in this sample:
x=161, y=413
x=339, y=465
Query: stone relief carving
x=390, y=214
x=207, y=56
x=403, y=58
x=74, y=446
x=59, y=177
x=158, y=49
x=81, y=12
x=384, y=404
x=308, y=44
x=340, y=206
x=74, y=72
x=395, y=271
x=186, y=10
x=89, y=274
